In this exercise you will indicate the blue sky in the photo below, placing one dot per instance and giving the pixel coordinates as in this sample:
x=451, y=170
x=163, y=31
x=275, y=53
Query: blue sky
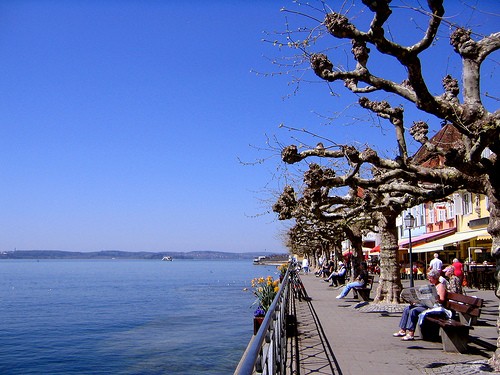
x=122, y=124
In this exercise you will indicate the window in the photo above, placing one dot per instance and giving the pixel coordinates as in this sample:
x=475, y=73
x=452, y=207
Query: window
x=418, y=213
x=431, y=216
x=441, y=214
x=450, y=211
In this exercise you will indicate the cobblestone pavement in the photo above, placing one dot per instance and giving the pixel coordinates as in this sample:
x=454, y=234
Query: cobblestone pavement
x=465, y=368
x=360, y=336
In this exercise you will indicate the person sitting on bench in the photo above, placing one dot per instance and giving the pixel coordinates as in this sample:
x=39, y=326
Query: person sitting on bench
x=409, y=319
x=338, y=277
x=359, y=281
x=326, y=268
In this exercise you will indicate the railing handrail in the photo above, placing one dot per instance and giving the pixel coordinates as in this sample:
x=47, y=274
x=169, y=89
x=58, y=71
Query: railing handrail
x=250, y=358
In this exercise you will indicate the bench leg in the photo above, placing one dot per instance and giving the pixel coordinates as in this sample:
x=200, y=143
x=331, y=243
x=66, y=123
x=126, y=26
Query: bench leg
x=467, y=319
x=429, y=331
x=364, y=294
x=454, y=340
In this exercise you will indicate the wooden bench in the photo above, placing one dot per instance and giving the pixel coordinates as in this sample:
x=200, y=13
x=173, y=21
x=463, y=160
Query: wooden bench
x=364, y=291
x=454, y=333
x=468, y=308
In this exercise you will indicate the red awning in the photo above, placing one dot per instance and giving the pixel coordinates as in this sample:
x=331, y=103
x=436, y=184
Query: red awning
x=423, y=238
x=376, y=249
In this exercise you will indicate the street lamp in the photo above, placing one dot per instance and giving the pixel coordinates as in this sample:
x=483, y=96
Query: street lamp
x=409, y=223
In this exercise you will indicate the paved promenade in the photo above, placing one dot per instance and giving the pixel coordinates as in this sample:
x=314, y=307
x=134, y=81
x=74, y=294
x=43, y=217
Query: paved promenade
x=359, y=335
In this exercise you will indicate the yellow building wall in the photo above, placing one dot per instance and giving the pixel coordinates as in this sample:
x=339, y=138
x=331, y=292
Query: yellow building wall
x=479, y=210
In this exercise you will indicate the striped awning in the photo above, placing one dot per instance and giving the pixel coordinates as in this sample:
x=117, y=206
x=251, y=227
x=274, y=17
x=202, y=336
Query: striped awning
x=426, y=237
x=439, y=245
x=486, y=237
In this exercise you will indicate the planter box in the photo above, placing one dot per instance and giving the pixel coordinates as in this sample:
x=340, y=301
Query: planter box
x=257, y=322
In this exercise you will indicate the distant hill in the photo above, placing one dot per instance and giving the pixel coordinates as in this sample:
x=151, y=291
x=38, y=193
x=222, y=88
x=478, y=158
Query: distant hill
x=117, y=254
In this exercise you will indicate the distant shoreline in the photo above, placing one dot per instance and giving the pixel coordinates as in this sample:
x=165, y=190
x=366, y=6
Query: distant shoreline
x=118, y=254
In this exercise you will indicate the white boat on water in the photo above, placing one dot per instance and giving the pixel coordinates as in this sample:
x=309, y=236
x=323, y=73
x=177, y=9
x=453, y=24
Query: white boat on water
x=166, y=258
x=259, y=259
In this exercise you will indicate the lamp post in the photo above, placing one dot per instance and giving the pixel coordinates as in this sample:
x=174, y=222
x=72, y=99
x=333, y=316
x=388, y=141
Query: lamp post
x=409, y=223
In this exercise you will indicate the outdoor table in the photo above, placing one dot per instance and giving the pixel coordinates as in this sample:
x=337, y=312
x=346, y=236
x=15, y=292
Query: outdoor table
x=480, y=276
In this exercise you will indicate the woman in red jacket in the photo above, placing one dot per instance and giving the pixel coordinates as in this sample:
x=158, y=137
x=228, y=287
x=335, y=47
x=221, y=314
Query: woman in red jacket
x=459, y=269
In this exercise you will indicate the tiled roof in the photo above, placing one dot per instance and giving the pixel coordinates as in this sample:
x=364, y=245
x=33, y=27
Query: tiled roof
x=447, y=137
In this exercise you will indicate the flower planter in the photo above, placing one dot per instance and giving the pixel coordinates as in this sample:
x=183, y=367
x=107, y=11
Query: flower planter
x=257, y=322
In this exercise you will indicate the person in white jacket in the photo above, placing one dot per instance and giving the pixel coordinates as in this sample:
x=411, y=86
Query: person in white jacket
x=305, y=265
x=338, y=277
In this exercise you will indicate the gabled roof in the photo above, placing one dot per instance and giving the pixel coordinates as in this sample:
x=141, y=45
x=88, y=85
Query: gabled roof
x=447, y=137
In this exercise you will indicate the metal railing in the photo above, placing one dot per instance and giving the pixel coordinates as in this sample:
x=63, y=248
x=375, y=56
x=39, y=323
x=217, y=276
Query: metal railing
x=267, y=351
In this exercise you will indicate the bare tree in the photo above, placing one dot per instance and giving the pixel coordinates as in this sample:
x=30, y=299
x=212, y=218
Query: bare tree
x=466, y=165
x=332, y=218
x=374, y=201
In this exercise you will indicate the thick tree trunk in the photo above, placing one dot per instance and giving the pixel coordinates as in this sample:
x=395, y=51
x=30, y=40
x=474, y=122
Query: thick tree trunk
x=337, y=252
x=389, y=287
x=354, y=235
x=314, y=260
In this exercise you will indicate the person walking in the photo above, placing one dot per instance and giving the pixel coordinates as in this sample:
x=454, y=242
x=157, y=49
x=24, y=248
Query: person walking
x=305, y=265
x=458, y=269
x=436, y=264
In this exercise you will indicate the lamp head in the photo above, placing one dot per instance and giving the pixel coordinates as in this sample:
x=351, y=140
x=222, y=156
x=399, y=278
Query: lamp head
x=409, y=221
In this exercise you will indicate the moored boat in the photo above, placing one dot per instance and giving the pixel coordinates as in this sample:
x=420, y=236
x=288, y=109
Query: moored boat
x=259, y=259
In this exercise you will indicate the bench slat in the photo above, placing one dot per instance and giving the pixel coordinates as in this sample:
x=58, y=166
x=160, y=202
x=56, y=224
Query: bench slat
x=466, y=309
x=468, y=300
x=448, y=323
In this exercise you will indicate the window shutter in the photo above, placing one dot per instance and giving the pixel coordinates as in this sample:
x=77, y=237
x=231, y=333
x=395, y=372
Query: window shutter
x=467, y=203
x=457, y=203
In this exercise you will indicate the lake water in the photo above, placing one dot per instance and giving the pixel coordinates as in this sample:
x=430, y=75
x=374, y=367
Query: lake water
x=125, y=316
